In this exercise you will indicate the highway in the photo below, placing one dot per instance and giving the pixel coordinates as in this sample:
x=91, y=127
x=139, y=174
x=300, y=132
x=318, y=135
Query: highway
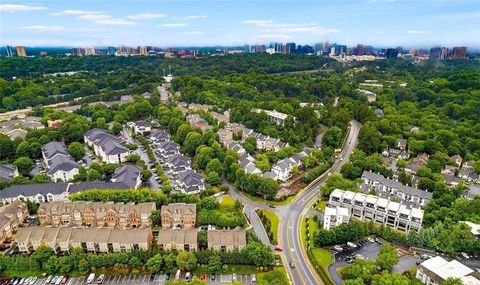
x=303, y=271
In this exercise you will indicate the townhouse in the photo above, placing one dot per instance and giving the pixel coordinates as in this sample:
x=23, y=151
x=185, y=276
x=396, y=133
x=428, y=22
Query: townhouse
x=96, y=240
x=247, y=162
x=140, y=127
x=178, y=239
x=158, y=136
x=8, y=171
x=178, y=163
x=417, y=162
x=178, y=215
x=391, y=189
x=163, y=93
x=282, y=170
x=58, y=162
x=96, y=214
x=383, y=211
x=225, y=117
x=128, y=175
x=190, y=182
x=11, y=216
x=335, y=216
x=227, y=240
x=197, y=122
x=106, y=146
x=437, y=270
x=467, y=173
x=168, y=148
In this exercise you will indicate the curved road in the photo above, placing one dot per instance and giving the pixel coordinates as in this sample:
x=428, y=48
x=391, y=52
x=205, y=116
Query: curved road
x=290, y=241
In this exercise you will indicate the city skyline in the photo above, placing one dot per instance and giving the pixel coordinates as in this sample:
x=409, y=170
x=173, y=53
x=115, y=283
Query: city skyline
x=188, y=23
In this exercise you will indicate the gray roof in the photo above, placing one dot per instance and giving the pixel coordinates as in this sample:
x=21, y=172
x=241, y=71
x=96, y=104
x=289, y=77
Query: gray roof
x=161, y=135
x=169, y=146
x=28, y=190
x=62, y=163
x=191, y=178
x=397, y=185
x=6, y=171
x=473, y=190
x=110, y=144
x=127, y=174
x=54, y=148
x=179, y=160
x=270, y=174
x=96, y=185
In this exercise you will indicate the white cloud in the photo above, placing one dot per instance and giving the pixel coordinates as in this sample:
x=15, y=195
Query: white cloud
x=173, y=25
x=75, y=13
x=193, y=33
x=258, y=22
x=146, y=16
x=417, y=32
x=12, y=8
x=106, y=19
x=274, y=37
x=192, y=17
x=42, y=28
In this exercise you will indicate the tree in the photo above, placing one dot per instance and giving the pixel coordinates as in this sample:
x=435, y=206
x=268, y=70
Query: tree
x=7, y=147
x=76, y=150
x=192, y=141
x=42, y=254
x=101, y=123
x=146, y=174
x=214, y=264
x=155, y=263
x=186, y=260
x=387, y=257
x=213, y=178
x=41, y=178
x=116, y=128
x=208, y=203
x=202, y=238
x=214, y=165
x=333, y=137
x=452, y=281
x=155, y=217
x=24, y=165
x=259, y=254
x=93, y=175
x=170, y=261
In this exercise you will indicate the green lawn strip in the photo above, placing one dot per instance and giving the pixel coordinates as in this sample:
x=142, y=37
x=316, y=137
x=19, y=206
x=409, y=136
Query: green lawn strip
x=227, y=201
x=22, y=273
x=274, y=222
x=313, y=229
x=287, y=201
x=321, y=205
x=237, y=269
x=274, y=277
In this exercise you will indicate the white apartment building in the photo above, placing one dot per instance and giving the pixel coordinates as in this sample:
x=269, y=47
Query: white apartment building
x=380, y=210
x=335, y=216
x=274, y=116
x=106, y=146
x=436, y=270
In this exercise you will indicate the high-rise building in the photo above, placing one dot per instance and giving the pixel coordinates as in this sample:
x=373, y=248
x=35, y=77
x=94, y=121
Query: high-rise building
x=9, y=51
x=142, y=50
x=290, y=48
x=78, y=51
x=111, y=50
x=435, y=53
x=391, y=53
x=459, y=53
x=278, y=47
x=444, y=53
x=325, y=47
x=90, y=51
x=21, y=51
x=259, y=48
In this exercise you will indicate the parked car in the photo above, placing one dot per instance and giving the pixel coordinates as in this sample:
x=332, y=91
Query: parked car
x=278, y=248
x=359, y=256
x=370, y=239
x=167, y=277
x=254, y=278
x=188, y=276
x=202, y=276
x=49, y=278
x=213, y=277
x=32, y=281
x=351, y=244
x=292, y=265
x=59, y=280
x=100, y=279
x=64, y=279
x=338, y=248
x=465, y=255
x=91, y=278
x=234, y=277
x=349, y=259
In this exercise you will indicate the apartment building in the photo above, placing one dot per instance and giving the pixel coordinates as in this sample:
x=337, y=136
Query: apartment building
x=197, y=122
x=380, y=210
x=436, y=270
x=227, y=240
x=8, y=172
x=60, y=165
x=106, y=146
x=11, y=216
x=274, y=116
x=178, y=239
x=178, y=215
x=97, y=240
x=128, y=175
x=335, y=216
x=96, y=214
x=391, y=189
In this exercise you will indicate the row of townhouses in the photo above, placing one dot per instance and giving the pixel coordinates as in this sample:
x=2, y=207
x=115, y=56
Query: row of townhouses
x=96, y=214
x=394, y=190
x=178, y=215
x=283, y=169
x=11, y=217
x=106, y=146
x=8, y=172
x=126, y=177
x=197, y=122
x=58, y=162
x=176, y=165
x=383, y=211
x=97, y=240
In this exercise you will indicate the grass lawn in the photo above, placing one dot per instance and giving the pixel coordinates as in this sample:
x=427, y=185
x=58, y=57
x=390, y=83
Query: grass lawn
x=238, y=269
x=274, y=221
x=268, y=202
x=323, y=257
x=22, y=273
x=321, y=206
x=274, y=277
x=227, y=201
x=303, y=230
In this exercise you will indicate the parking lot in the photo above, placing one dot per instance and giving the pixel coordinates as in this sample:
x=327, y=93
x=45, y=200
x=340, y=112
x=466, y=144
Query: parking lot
x=158, y=279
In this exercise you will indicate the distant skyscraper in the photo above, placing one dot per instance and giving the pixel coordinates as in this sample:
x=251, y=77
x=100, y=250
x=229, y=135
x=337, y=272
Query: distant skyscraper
x=21, y=51
x=9, y=51
x=278, y=47
x=325, y=46
x=111, y=50
x=90, y=51
x=142, y=50
x=290, y=48
x=391, y=53
x=459, y=53
x=78, y=51
x=435, y=53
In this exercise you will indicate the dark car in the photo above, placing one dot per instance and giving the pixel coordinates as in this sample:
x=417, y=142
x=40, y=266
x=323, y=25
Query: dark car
x=152, y=276
x=168, y=276
x=349, y=260
x=292, y=265
x=213, y=277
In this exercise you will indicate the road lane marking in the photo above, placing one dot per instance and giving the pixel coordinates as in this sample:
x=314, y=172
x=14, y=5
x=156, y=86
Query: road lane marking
x=293, y=260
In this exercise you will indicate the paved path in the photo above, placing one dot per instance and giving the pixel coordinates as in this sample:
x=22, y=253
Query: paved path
x=143, y=155
x=257, y=225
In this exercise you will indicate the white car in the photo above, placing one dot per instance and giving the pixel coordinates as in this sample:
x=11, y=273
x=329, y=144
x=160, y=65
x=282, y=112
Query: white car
x=465, y=255
x=338, y=248
x=370, y=239
x=351, y=244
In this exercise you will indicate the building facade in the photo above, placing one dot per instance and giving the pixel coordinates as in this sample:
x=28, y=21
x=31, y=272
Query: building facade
x=227, y=240
x=335, y=216
x=178, y=215
x=11, y=216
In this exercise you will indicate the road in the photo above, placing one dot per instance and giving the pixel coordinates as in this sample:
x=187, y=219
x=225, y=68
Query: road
x=153, y=184
x=303, y=272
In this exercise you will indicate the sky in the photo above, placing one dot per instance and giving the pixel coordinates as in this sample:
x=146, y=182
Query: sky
x=381, y=23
